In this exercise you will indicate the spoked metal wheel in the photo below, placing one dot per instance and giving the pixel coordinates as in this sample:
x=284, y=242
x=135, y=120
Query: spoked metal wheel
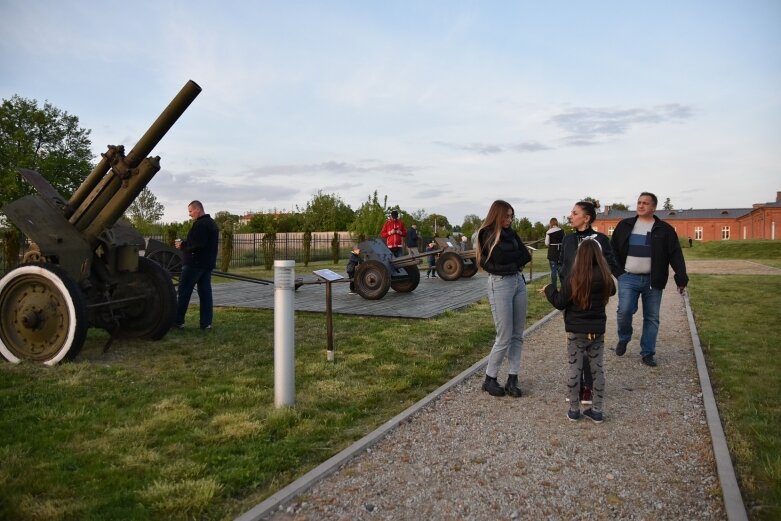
x=372, y=280
x=168, y=260
x=43, y=317
x=470, y=269
x=410, y=283
x=151, y=305
x=450, y=265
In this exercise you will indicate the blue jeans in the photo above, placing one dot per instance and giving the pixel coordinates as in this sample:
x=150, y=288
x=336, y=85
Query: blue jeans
x=508, y=299
x=630, y=288
x=554, y=273
x=189, y=278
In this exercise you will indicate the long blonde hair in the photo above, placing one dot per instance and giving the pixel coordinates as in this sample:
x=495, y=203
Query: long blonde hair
x=492, y=222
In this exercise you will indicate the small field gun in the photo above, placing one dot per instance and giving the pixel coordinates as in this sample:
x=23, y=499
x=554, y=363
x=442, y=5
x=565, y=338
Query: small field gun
x=86, y=270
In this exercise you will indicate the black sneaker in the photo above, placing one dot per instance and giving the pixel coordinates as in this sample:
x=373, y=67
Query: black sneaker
x=621, y=348
x=511, y=388
x=596, y=417
x=649, y=360
x=573, y=416
x=492, y=387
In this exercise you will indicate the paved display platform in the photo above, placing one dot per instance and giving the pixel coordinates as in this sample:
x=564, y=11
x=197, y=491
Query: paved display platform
x=431, y=298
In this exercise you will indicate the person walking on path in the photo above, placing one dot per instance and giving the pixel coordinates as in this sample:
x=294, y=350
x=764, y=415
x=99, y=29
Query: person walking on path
x=553, y=238
x=645, y=247
x=394, y=231
x=412, y=240
x=200, y=257
x=583, y=298
x=501, y=252
x=581, y=218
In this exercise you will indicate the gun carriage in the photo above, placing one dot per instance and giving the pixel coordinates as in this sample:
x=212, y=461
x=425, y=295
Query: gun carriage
x=86, y=270
x=381, y=271
x=454, y=262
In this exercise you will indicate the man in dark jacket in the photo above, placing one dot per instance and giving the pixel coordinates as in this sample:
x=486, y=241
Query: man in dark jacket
x=645, y=247
x=200, y=257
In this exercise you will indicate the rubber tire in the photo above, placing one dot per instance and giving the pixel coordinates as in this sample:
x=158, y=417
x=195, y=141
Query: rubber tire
x=470, y=269
x=372, y=280
x=410, y=283
x=450, y=265
x=150, y=318
x=66, y=305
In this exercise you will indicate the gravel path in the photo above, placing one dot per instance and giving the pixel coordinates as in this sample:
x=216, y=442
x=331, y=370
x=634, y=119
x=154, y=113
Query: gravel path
x=472, y=456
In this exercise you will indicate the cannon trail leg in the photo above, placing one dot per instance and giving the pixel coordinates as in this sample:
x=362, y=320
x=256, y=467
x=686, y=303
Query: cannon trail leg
x=43, y=317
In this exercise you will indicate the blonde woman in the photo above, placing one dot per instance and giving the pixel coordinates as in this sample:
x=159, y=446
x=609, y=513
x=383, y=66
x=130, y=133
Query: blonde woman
x=503, y=255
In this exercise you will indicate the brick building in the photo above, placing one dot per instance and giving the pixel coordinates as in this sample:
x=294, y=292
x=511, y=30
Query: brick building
x=762, y=221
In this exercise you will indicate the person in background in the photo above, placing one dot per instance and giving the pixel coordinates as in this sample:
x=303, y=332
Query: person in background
x=432, y=271
x=412, y=240
x=394, y=231
x=553, y=238
x=464, y=243
x=352, y=263
x=583, y=298
x=200, y=257
x=503, y=255
x=646, y=247
x=581, y=218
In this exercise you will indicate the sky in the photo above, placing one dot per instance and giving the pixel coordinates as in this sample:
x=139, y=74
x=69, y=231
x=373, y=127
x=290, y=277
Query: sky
x=442, y=106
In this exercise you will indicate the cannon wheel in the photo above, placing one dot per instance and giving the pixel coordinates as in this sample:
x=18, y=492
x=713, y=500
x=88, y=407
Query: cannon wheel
x=410, y=283
x=450, y=266
x=372, y=280
x=150, y=317
x=470, y=269
x=43, y=317
x=170, y=261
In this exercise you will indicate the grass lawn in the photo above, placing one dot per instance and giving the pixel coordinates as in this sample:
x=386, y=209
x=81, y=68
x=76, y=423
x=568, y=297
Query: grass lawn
x=185, y=428
x=739, y=322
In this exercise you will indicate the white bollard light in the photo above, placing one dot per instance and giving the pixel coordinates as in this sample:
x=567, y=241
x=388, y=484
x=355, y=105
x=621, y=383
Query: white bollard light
x=284, y=333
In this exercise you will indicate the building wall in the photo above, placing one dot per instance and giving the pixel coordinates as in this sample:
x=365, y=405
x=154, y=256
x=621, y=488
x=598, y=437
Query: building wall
x=761, y=223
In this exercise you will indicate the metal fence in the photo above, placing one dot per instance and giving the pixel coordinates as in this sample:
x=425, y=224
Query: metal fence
x=248, y=249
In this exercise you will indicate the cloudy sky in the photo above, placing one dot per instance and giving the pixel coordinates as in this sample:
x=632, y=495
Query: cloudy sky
x=440, y=105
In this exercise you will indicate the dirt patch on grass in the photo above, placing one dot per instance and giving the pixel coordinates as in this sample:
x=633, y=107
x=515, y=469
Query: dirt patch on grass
x=730, y=267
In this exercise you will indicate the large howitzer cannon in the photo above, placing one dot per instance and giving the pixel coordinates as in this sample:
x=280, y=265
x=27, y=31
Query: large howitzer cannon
x=86, y=270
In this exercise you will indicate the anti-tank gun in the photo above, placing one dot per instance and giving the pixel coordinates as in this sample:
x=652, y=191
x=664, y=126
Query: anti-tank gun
x=86, y=270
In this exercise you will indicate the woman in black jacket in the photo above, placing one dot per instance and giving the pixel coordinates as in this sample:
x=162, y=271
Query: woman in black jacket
x=503, y=255
x=583, y=297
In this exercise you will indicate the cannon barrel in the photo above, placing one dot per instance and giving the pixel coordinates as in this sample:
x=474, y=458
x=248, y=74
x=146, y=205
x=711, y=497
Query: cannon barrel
x=117, y=180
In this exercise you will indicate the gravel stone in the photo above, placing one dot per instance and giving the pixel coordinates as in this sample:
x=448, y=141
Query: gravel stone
x=468, y=455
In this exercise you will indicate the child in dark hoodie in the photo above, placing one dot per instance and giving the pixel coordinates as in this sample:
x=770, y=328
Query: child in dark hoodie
x=583, y=297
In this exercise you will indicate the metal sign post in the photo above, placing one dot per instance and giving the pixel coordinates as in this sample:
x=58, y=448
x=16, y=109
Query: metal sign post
x=329, y=277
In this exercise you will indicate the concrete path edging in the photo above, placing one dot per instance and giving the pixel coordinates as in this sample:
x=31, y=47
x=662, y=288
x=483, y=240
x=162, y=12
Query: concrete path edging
x=733, y=501
x=333, y=464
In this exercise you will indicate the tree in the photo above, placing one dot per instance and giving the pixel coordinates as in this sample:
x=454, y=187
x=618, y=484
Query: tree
x=471, y=224
x=327, y=212
x=145, y=212
x=668, y=205
x=619, y=206
x=45, y=139
x=438, y=224
x=523, y=227
x=369, y=218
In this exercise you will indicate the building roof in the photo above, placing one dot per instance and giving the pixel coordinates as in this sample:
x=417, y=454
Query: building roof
x=672, y=215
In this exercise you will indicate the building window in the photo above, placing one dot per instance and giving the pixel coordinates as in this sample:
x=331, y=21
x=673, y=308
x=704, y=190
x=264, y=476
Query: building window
x=698, y=233
x=725, y=233
x=610, y=231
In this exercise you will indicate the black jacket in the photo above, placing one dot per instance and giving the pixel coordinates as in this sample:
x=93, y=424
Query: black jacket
x=665, y=251
x=508, y=257
x=577, y=320
x=554, y=246
x=200, y=247
x=569, y=248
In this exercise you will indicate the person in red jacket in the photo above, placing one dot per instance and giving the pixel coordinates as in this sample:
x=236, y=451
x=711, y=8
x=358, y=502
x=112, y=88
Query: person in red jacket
x=393, y=231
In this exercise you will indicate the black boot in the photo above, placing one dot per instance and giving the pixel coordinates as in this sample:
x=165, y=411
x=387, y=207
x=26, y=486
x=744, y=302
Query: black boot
x=492, y=387
x=511, y=387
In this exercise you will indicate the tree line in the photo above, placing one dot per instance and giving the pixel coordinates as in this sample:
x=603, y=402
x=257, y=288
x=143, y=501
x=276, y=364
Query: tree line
x=50, y=141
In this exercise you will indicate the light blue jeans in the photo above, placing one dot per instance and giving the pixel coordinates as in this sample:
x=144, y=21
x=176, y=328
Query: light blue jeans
x=630, y=288
x=508, y=299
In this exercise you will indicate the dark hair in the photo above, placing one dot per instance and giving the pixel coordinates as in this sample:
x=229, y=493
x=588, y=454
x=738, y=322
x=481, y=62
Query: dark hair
x=196, y=204
x=395, y=214
x=553, y=220
x=590, y=210
x=493, y=222
x=589, y=255
x=652, y=196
